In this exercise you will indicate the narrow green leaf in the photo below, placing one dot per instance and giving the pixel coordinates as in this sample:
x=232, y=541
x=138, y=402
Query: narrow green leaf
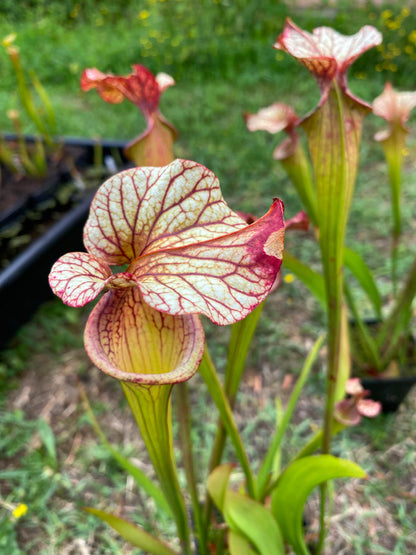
x=240, y=341
x=39, y=156
x=7, y=155
x=133, y=534
x=393, y=146
x=239, y=545
x=264, y=473
x=210, y=377
x=43, y=95
x=48, y=439
x=344, y=368
x=296, y=484
x=367, y=344
x=24, y=91
x=400, y=312
x=151, y=409
x=355, y=263
x=277, y=459
x=313, y=281
x=395, y=346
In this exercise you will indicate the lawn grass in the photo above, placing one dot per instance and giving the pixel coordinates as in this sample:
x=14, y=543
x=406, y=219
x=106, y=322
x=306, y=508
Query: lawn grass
x=224, y=65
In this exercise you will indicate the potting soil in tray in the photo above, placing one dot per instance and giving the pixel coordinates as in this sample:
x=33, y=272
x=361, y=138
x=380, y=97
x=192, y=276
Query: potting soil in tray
x=31, y=205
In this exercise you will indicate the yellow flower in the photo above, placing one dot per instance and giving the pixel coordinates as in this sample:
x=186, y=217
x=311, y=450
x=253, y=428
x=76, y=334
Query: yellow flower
x=405, y=12
x=7, y=41
x=412, y=37
x=289, y=278
x=144, y=14
x=20, y=510
x=392, y=25
x=386, y=14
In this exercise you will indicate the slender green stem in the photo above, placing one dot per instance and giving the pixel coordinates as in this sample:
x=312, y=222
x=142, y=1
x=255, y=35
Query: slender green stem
x=184, y=422
x=209, y=374
x=322, y=514
x=393, y=150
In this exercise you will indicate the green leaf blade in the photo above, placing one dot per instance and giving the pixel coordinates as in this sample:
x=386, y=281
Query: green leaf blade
x=296, y=484
x=255, y=522
x=311, y=279
x=238, y=545
x=248, y=519
x=133, y=534
x=355, y=263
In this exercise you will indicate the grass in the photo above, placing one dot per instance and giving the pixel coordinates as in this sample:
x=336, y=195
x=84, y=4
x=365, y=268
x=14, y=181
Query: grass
x=224, y=65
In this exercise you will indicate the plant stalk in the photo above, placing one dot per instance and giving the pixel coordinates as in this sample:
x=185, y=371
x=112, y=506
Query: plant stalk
x=151, y=408
x=184, y=422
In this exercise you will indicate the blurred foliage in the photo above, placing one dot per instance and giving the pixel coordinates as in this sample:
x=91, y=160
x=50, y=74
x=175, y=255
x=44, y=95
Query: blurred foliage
x=397, y=53
x=176, y=34
x=219, y=38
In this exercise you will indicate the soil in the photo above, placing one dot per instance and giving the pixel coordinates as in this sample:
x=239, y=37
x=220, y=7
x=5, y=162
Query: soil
x=17, y=189
x=30, y=205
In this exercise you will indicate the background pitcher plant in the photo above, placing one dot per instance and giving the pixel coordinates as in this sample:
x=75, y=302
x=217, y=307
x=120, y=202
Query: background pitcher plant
x=153, y=147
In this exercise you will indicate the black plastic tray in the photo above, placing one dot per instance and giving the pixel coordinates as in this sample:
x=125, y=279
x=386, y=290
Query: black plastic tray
x=24, y=282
